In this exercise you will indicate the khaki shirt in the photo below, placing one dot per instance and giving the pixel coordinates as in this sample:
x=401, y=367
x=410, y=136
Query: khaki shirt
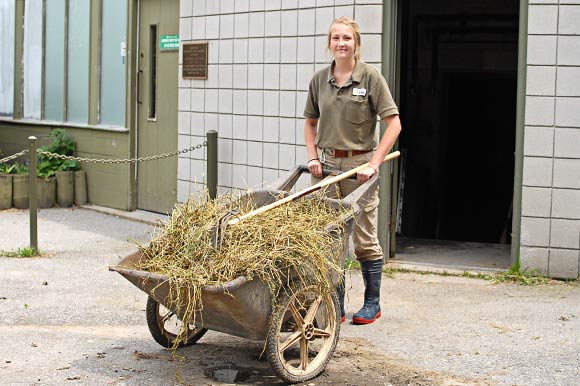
x=348, y=114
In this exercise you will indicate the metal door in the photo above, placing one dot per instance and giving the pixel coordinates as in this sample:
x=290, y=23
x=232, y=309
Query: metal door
x=157, y=105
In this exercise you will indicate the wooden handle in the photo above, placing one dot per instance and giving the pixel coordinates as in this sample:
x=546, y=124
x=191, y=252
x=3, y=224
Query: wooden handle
x=313, y=188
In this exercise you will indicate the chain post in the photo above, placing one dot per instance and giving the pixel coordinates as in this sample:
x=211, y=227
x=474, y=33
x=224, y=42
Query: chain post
x=212, y=163
x=33, y=202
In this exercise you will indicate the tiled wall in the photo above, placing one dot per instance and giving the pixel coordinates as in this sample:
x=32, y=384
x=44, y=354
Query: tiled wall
x=262, y=55
x=550, y=233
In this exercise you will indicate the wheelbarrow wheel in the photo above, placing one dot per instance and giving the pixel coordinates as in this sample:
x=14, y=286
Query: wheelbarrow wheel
x=164, y=325
x=303, y=334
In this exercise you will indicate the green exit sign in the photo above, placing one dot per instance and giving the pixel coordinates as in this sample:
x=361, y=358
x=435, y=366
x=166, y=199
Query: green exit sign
x=169, y=42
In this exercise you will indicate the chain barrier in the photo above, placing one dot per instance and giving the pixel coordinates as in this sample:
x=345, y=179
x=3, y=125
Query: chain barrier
x=13, y=156
x=121, y=161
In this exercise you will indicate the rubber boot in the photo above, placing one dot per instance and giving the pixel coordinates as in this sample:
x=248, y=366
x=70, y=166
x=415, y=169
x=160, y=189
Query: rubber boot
x=340, y=295
x=372, y=272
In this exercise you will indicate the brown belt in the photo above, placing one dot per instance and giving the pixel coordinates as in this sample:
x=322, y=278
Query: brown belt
x=346, y=153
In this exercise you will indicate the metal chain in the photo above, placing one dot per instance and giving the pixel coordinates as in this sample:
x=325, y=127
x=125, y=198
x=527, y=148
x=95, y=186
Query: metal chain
x=13, y=156
x=120, y=161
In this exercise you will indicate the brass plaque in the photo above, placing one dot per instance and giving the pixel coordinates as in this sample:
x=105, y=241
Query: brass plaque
x=194, y=60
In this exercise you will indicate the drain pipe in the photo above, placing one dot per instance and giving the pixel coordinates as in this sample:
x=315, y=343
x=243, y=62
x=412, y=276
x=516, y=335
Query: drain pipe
x=386, y=219
x=520, y=129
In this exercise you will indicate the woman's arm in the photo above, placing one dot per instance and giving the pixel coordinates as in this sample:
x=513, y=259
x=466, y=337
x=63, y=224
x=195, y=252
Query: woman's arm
x=310, y=129
x=387, y=141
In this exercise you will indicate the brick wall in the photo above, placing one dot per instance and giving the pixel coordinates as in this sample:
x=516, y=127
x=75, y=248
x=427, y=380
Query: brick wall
x=262, y=55
x=550, y=233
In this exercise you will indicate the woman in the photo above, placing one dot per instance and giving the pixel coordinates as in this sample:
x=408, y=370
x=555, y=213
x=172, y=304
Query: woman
x=341, y=111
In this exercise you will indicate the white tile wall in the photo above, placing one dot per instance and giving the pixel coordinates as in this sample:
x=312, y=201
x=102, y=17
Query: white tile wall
x=541, y=80
x=534, y=259
x=567, y=143
x=535, y=232
x=569, y=50
x=568, y=112
x=240, y=152
x=539, y=141
x=543, y=19
x=275, y=47
x=536, y=202
x=226, y=123
x=568, y=19
x=272, y=77
x=537, y=171
x=539, y=111
x=542, y=49
x=567, y=173
x=240, y=126
x=553, y=48
x=565, y=234
x=241, y=25
x=568, y=83
x=563, y=263
x=271, y=103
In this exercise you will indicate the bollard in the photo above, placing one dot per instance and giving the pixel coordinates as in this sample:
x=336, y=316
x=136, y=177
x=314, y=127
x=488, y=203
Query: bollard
x=212, y=163
x=33, y=202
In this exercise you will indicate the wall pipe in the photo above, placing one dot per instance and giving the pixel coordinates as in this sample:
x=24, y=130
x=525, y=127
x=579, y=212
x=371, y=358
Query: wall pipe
x=520, y=128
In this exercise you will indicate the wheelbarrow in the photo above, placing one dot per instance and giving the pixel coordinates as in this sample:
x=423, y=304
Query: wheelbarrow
x=300, y=332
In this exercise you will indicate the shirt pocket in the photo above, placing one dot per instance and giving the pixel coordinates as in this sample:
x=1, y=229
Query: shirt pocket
x=357, y=112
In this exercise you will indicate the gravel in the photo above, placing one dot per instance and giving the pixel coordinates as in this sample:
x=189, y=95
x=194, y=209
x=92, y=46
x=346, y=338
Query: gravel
x=66, y=319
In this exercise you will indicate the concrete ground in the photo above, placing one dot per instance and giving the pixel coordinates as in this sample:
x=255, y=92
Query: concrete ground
x=67, y=320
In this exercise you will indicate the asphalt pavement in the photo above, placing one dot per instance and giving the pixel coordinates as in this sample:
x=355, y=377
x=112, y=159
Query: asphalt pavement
x=65, y=319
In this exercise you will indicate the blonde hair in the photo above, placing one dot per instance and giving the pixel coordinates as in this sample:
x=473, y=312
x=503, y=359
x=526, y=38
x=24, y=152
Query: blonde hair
x=347, y=21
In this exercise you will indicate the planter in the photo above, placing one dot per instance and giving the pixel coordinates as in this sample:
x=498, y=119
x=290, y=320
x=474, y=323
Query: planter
x=80, y=187
x=46, y=191
x=5, y=191
x=20, y=198
x=65, y=188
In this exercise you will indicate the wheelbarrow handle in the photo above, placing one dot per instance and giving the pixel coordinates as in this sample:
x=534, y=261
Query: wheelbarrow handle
x=325, y=172
x=311, y=189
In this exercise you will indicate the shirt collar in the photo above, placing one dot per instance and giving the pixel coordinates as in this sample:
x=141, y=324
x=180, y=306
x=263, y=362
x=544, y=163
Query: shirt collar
x=356, y=75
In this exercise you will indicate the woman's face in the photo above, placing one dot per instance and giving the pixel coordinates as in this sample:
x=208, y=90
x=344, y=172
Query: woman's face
x=342, y=42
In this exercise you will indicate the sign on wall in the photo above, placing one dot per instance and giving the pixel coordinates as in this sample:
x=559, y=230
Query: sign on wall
x=194, y=60
x=169, y=42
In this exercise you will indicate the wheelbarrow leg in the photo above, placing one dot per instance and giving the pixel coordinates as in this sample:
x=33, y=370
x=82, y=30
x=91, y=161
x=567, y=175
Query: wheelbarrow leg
x=340, y=294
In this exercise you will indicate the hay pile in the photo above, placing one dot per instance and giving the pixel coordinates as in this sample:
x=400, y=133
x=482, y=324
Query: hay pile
x=294, y=237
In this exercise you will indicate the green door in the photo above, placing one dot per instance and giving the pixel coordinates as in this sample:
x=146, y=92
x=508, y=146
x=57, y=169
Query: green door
x=157, y=106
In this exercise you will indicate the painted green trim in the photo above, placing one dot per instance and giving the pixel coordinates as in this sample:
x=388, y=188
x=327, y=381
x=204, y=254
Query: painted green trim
x=520, y=129
x=94, y=62
x=43, y=65
x=33, y=122
x=18, y=52
x=389, y=71
x=131, y=95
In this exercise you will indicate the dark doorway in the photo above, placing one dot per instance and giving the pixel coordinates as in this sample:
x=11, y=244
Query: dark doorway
x=458, y=103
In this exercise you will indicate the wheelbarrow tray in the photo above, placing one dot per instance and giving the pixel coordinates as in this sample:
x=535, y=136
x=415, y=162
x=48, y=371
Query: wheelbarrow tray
x=242, y=306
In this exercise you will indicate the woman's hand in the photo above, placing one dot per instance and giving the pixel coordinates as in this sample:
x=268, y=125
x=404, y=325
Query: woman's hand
x=365, y=174
x=315, y=167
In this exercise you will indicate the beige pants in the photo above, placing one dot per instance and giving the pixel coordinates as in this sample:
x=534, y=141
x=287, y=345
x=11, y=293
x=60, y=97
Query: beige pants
x=364, y=234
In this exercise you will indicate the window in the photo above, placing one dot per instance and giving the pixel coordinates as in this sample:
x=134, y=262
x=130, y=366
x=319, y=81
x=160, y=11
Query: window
x=74, y=61
x=152, y=114
x=54, y=60
x=79, y=22
x=32, y=60
x=113, y=62
x=7, y=14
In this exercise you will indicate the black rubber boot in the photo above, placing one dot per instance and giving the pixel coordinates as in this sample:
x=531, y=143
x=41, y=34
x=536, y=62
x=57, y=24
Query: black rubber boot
x=340, y=294
x=372, y=272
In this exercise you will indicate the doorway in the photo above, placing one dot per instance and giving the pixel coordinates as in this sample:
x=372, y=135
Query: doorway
x=157, y=101
x=458, y=79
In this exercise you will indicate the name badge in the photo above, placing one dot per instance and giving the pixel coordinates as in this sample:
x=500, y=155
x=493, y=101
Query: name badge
x=359, y=91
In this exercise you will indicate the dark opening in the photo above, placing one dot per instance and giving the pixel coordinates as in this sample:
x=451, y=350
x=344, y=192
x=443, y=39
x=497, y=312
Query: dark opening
x=153, y=71
x=458, y=104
